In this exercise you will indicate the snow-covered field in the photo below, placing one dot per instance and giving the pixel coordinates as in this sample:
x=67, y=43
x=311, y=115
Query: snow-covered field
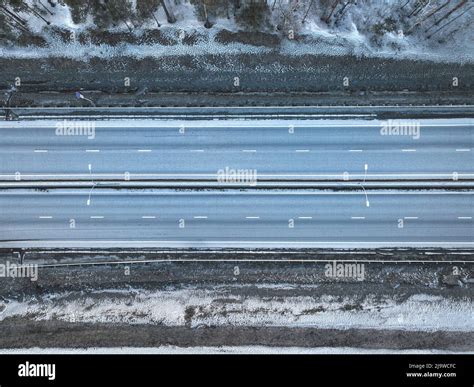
x=218, y=307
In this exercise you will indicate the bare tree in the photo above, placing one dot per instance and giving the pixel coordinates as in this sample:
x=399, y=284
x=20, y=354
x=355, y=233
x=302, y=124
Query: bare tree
x=15, y=25
x=307, y=11
x=37, y=14
x=419, y=6
x=12, y=15
x=341, y=12
x=449, y=22
x=405, y=4
x=169, y=13
x=45, y=8
x=429, y=15
x=461, y=4
x=334, y=6
x=207, y=23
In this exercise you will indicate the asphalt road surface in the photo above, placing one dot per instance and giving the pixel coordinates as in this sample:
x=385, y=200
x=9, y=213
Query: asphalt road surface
x=235, y=218
x=273, y=149
x=351, y=152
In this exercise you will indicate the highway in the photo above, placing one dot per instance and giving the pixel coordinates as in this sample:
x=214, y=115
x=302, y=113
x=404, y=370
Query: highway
x=362, y=156
x=301, y=218
x=287, y=150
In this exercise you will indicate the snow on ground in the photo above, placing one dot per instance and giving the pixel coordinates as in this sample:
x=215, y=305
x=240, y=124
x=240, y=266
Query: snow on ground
x=243, y=123
x=197, y=307
x=252, y=350
x=353, y=34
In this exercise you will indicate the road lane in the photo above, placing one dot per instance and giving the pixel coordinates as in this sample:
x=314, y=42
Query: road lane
x=235, y=218
x=275, y=149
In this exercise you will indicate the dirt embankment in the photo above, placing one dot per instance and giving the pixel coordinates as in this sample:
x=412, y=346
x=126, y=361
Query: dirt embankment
x=226, y=303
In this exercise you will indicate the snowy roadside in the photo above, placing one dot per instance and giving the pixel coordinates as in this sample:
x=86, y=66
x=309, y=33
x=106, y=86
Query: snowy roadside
x=413, y=306
x=186, y=64
x=371, y=29
x=201, y=81
x=192, y=307
x=250, y=350
x=87, y=47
